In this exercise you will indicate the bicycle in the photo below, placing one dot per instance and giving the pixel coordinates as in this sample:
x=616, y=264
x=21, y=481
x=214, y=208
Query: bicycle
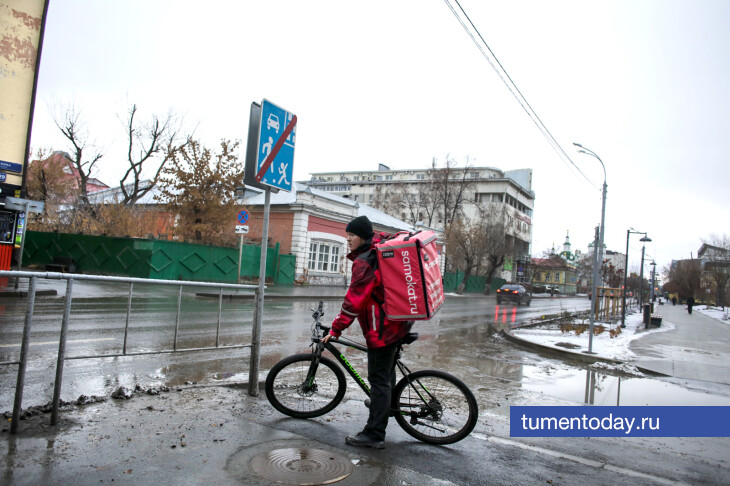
x=430, y=405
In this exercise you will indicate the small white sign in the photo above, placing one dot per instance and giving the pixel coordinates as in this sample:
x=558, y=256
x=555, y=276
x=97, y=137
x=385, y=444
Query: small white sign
x=241, y=229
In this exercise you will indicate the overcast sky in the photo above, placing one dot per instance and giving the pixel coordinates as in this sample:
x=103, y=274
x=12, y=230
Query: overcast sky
x=644, y=84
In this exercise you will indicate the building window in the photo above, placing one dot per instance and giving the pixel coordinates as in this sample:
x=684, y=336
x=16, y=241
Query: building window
x=389, y=177
x=324, y=257
x=420, y=176
x=557, y=276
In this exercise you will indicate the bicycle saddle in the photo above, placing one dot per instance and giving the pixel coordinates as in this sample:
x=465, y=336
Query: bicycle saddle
x=409, y=338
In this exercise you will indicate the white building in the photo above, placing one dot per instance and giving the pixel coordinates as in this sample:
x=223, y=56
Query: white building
x=492, y=189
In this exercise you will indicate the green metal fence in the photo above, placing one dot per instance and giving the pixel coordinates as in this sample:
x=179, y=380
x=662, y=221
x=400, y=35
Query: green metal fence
x=156, y=259
x=473, y=285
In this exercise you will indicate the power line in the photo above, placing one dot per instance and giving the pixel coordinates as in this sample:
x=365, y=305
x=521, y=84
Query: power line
x=512, y=87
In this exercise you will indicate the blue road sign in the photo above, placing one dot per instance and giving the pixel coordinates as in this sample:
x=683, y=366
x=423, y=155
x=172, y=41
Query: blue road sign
x=11, y=166
x=243, y=216
x=275, y=153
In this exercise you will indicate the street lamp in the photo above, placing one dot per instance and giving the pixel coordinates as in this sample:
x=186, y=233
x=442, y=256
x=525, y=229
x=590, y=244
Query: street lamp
x=626, y=270
x=596, y=262
x=641, y=276
x=653, y=273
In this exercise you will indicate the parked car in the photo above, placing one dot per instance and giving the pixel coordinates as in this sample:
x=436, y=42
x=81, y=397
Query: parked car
x=514, y=293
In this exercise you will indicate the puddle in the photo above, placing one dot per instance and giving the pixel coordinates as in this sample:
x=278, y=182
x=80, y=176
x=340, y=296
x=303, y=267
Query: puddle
x=597, y=388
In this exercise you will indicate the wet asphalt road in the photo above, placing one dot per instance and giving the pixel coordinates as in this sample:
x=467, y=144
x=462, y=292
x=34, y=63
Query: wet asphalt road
x=461, y=339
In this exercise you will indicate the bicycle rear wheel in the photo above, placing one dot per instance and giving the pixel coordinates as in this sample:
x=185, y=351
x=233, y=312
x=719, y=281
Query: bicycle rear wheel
x=291, y=393
x=435, y=407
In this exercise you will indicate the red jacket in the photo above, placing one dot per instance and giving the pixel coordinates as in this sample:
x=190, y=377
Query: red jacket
x=364, y=300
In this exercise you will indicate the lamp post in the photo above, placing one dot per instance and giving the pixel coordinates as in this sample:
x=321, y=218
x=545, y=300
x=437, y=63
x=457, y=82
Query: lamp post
x=626, y=271
x=598, y=254
x=641, y=277
x=653, y=270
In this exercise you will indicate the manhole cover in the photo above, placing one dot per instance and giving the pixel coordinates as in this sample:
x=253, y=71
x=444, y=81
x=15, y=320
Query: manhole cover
x=301, y=466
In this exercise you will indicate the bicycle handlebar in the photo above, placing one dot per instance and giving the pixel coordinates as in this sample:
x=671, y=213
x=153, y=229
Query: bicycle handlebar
x=318, y=313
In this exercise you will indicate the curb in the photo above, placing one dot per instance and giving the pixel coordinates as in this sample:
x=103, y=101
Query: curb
x=571, y=355
x=581, y=357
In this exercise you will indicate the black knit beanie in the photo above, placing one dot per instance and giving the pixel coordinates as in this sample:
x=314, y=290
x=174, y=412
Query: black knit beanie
x=360, y=226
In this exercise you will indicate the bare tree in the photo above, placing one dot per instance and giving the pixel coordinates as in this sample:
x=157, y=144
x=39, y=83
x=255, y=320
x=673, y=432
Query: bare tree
x=612, y=275
x=151, y=145
x=84, y=155
x=497, y=226
x=480, y=247
x=388, y=198
x=449, y=186
x=684, y=277
x=411, y=202
x=467, y=248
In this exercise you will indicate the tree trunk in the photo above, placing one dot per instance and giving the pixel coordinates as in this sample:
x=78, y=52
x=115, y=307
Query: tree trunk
x=462, y=286
x=490, y=276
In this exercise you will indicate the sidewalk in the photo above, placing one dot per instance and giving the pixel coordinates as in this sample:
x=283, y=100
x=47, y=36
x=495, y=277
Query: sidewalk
x=204, y=435
x=697, y=349
x=694, y=347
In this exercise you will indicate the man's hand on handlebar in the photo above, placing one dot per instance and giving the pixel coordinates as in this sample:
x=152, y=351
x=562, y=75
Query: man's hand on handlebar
x=326, y=338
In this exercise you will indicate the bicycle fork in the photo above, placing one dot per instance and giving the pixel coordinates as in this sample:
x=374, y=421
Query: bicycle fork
x=313, y=366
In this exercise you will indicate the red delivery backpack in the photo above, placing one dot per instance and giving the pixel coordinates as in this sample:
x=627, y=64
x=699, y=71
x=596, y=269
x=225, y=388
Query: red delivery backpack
x=411, y=276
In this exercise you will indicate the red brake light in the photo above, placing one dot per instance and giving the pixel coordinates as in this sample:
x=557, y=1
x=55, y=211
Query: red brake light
x=514, y=291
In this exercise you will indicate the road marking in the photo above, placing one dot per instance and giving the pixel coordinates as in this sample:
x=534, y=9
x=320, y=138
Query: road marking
x=580, y=460
x=46, y=343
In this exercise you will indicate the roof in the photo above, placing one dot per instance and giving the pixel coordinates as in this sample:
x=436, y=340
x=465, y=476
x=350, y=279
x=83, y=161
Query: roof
x=114, y=194
x=376, y=216
x=714, y=251
x=549, y=262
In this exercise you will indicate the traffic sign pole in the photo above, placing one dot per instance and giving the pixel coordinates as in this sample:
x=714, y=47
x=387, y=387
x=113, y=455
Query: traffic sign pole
x=240, y=256
x=253, y=375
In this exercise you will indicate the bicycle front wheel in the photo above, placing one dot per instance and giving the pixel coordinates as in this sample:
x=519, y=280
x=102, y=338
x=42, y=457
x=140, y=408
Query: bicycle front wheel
x=435, y=407
x=291, y=392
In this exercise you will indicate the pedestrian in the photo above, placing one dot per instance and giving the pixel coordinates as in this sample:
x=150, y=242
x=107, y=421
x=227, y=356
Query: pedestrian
x=690, y=303
x=364, y=300
x=674, y=300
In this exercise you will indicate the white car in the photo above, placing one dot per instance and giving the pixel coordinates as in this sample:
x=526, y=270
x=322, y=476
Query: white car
x=273, y=122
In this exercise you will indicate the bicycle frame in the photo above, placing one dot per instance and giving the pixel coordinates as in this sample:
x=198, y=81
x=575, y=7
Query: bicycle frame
x=342, y=359
x=416, y=403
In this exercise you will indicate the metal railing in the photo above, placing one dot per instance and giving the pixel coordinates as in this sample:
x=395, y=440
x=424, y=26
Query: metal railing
x=70, y=278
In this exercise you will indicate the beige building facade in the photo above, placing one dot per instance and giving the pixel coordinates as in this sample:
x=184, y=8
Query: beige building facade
x=508, y=193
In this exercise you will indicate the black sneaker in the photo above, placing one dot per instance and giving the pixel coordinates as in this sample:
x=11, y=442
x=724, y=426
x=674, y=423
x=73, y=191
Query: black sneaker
x=361, y=440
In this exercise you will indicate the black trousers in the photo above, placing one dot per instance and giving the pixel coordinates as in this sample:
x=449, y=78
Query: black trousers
x=381, y=376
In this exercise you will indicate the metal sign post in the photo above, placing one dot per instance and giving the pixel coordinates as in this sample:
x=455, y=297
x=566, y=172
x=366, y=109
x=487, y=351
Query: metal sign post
x=269, y=166
x=242, y=219
x=253, y=376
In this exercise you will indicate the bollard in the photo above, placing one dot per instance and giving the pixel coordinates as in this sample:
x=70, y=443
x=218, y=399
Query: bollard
x=647, y=315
